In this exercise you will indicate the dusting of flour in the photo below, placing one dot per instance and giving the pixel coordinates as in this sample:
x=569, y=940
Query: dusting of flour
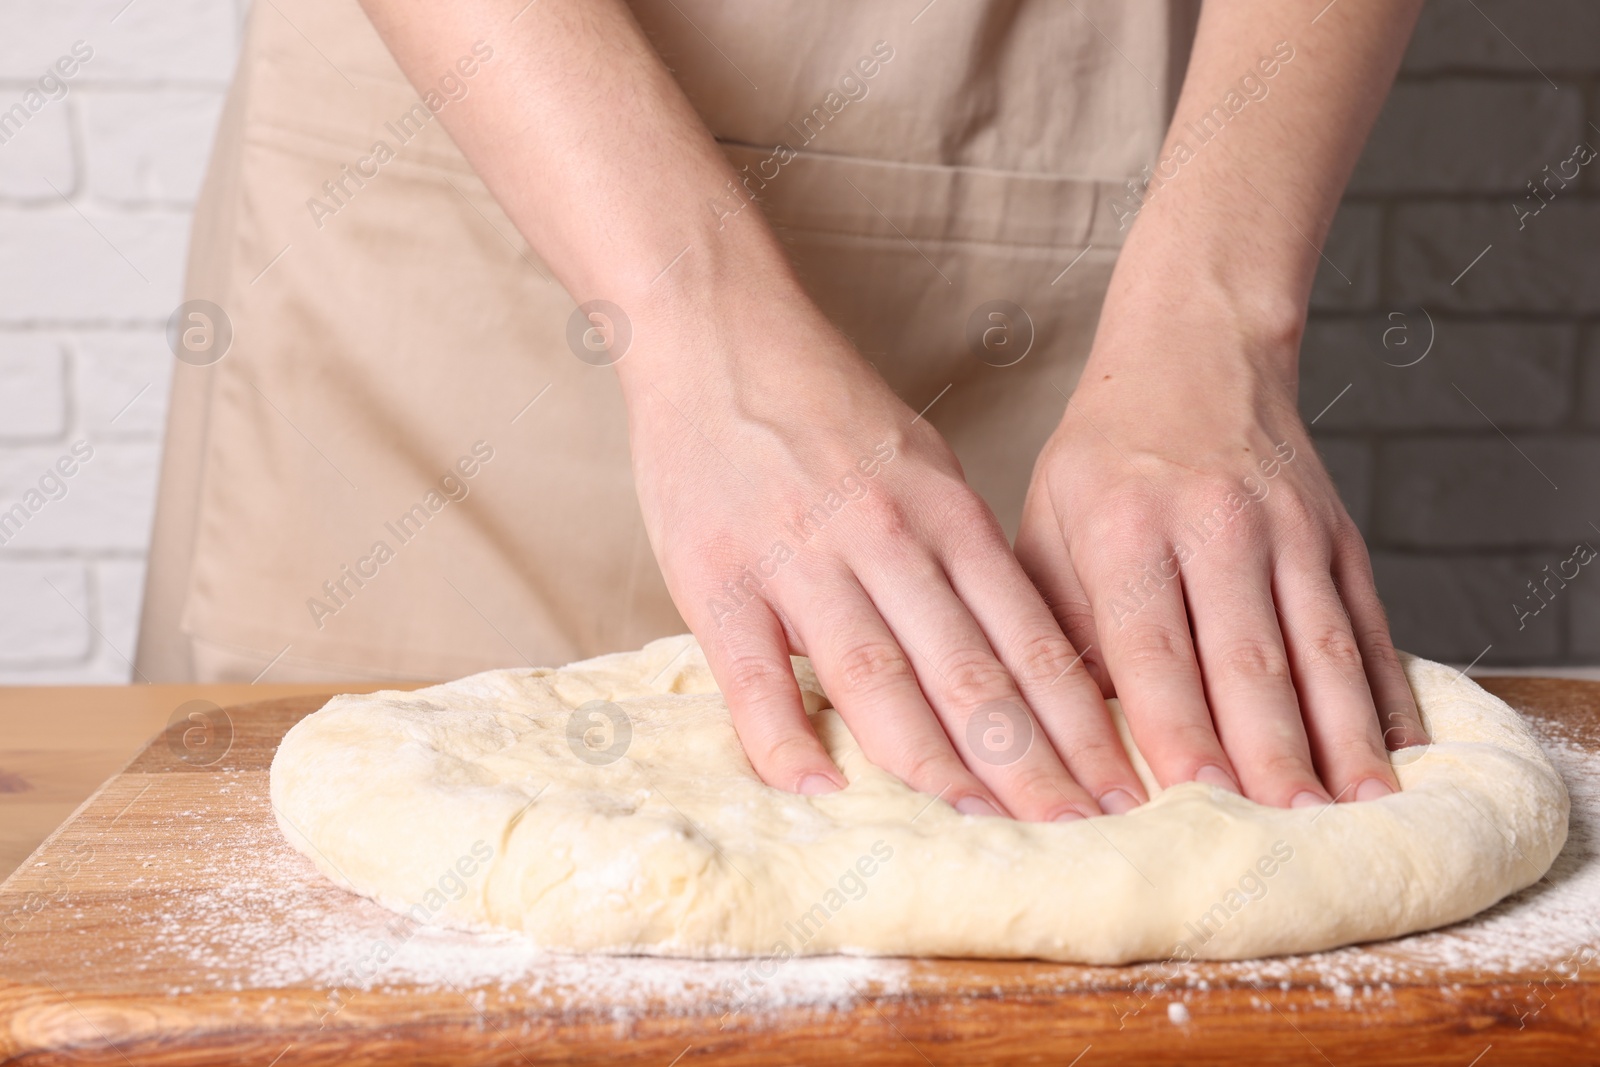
x=250, y=913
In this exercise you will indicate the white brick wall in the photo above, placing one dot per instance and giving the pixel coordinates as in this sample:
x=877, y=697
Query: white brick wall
x=1459, y=521
x=96, y=192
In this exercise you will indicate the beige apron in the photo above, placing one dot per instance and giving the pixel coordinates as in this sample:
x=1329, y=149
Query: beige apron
x=365, y=485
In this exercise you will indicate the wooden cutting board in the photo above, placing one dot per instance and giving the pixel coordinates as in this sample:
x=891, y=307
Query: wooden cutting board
x=168, y=922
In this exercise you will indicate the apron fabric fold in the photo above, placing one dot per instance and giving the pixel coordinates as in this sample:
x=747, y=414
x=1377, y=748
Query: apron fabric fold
x=399, y=468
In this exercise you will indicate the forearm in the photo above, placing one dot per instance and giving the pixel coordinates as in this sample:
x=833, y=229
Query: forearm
x=587, y=142
x=1272, y=116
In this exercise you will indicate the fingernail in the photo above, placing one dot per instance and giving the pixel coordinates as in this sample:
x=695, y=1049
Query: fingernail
x=976, y=806
x=816, y=784
x=1117, y=802
x=1373, y=789
x=1070, y=815
x=1211, y=774
x=1307, y=799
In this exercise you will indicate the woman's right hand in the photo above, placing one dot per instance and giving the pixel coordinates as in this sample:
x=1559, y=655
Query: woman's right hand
x=797, y=505
x=747, y=410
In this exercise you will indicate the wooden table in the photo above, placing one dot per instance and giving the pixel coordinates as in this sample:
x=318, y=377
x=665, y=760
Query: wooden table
x=58, y=743
x=168, y=922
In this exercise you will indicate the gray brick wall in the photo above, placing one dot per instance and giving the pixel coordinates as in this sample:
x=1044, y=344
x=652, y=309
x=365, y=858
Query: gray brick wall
x=1470, y=471
x=96, y=191
x=1473, y=470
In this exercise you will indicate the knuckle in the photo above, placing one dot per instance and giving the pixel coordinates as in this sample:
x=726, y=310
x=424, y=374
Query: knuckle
x=1378, y=644
x=1361, y=750
x=1254, y=659
x=1153, y=646
x=1336, y=647
x=1293, y=513
x=1096, y=760
x=1129, y=512
x=1190, y=736
x=973, y=677
x=888, y=517
x=872, y=666
x=1075, y=617
x=1043, y=789
x=969, y=526
x=791, y=750
x=929, y=770
x=757, y=676
x=1044, y=657
x=1285, y=767
x=1347, y=540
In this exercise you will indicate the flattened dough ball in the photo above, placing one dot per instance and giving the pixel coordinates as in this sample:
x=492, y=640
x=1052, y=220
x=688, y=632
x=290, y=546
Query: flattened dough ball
x=607, y=807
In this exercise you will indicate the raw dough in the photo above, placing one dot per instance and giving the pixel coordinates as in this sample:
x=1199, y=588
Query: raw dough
x=509, y=799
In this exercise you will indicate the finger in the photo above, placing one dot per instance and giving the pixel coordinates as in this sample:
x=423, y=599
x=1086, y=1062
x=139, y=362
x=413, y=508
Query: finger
x=972, y=694
x=1398, y=717
x=872, y=684
x=1330, y=676
x=1245, y=670
x=1048, y=668
x=1046, y=559
x=750, y=661
x=1144, y=629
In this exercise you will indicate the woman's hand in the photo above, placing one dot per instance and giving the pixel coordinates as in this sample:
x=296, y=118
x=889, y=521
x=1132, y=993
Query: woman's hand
x=1185, y=533
x=796, y=505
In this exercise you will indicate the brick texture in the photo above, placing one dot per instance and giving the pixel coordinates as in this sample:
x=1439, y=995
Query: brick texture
x=96, y=192
x=1420, y=146
x=1461, y=512
x=1519, y=374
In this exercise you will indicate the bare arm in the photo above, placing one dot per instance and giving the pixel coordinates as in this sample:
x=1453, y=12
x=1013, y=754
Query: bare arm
x=1179, y=520
x=747, y=409
x=585, y=139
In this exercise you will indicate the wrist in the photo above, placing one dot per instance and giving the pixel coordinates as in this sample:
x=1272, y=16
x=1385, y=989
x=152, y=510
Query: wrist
x=721, y=296
x=1188, y=316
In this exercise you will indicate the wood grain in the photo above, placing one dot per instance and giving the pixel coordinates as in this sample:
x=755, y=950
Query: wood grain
x=58, y=743
x=83, y=978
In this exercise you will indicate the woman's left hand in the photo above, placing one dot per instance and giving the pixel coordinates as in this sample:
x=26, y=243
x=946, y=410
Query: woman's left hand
x=1193, y=547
